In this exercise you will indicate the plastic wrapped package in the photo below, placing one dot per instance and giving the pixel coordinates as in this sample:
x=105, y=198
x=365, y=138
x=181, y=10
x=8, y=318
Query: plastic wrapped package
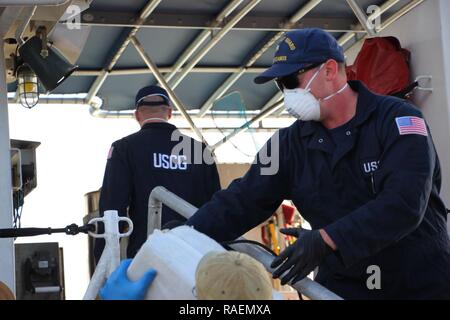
x=175, y=255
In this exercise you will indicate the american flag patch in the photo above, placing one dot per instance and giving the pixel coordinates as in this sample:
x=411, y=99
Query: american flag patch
x=411, y=125
x=110, y=153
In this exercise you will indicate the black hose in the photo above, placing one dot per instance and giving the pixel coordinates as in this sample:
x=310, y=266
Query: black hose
x=227, y=244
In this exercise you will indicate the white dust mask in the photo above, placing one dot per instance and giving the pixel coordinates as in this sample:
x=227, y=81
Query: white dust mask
x=301, y=103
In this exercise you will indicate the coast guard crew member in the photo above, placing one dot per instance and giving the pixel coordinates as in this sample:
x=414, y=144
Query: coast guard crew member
x=150, y=158
x=363, y=171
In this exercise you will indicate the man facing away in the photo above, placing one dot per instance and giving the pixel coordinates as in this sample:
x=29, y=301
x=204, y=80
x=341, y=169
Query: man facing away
x=157, y=155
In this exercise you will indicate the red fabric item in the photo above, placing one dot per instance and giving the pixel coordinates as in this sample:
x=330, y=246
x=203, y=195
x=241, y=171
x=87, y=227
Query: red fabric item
x=288, y=212
x=382, y=65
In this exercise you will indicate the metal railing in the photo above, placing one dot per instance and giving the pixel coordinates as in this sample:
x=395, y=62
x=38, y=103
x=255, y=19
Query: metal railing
x=110, y=258
x=161, y=195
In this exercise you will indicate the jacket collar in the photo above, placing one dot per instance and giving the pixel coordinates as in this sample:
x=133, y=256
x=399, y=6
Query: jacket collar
x=365, y=106
x=158, y=125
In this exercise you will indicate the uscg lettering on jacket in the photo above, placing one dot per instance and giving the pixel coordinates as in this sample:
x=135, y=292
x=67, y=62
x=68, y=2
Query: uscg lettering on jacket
x=369, y=166
x=170, y=162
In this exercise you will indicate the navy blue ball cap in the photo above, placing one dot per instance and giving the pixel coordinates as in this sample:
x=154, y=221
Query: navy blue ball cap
x=151, y=91
x=300, y=49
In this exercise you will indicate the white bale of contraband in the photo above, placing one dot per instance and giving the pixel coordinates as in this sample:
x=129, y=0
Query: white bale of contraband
x=175, y=255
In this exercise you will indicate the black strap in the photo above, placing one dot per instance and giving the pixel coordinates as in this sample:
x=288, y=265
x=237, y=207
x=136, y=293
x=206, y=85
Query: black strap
x=72, y=229
x=403, y=94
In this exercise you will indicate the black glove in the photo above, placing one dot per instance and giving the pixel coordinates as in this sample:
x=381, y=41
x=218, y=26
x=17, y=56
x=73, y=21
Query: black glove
x=302, y=257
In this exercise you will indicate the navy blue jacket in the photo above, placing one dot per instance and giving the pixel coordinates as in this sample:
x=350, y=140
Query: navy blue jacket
x=147, y=159
x=374, y=191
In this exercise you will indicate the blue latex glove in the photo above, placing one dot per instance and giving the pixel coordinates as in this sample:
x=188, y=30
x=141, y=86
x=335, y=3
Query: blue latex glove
x=119, y=287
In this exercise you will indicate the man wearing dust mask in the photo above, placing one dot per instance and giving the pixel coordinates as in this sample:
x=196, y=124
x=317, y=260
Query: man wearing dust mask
x=301, y=103
x=361, y=168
